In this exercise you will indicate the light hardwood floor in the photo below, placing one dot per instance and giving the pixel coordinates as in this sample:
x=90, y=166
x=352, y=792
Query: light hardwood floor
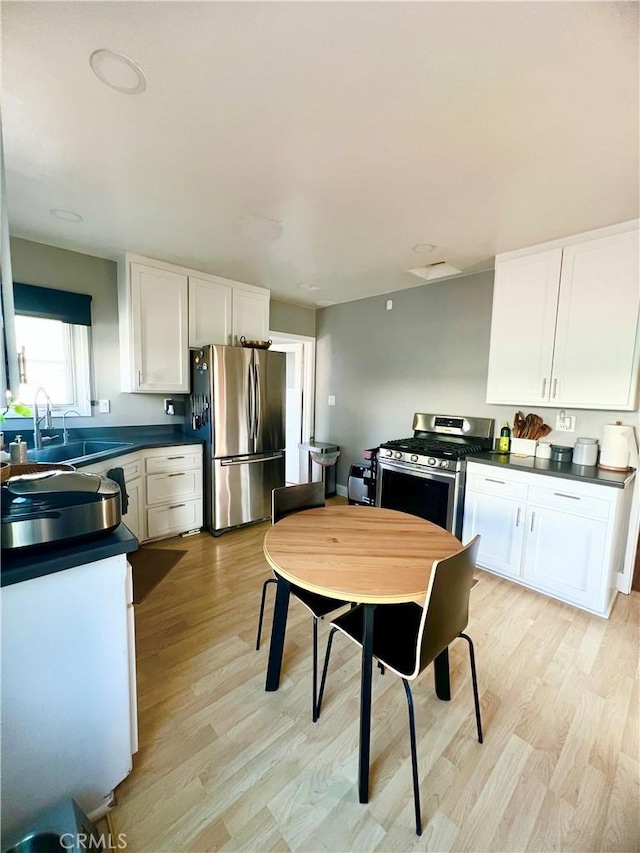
x=225, y=766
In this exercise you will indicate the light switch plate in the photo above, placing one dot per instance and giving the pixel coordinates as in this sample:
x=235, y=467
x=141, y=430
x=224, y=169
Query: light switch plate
x=332, y=400
x=566, y=424
x=104, y=406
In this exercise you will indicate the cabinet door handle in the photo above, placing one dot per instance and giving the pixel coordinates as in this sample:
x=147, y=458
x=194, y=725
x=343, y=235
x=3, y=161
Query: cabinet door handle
x=555, y=388
x=178, y=474
x=176, y=506
x=544, y=387
x=562, y=495
x=489, y=480
x=170, y=458
x=518, y=518
x=139, y=377
x=533, y=515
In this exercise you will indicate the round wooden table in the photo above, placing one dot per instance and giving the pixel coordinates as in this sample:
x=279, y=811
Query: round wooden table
x=367, y=555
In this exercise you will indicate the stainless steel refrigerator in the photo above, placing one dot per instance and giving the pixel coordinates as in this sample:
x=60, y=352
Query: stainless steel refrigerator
x=237, y=406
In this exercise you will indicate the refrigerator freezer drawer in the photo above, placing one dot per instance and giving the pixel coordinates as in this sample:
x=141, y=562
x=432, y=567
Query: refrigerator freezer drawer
x=242, y=488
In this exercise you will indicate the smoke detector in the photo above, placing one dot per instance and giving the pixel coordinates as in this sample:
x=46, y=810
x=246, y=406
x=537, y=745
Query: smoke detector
x=441, y=269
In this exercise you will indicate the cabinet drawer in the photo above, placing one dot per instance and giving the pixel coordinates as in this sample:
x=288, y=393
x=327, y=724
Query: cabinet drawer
x=164, y=488
x=567, y=500
x=178, y=459
x=132, y=469
x=175, y=518
x=495, y=484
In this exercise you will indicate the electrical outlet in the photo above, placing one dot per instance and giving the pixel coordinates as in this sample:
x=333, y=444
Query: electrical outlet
x=389, y=305
x=332, y=400
x=566, y=423
x=104, y=406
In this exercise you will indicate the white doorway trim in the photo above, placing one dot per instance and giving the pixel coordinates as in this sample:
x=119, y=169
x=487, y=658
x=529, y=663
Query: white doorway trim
x=308, y=367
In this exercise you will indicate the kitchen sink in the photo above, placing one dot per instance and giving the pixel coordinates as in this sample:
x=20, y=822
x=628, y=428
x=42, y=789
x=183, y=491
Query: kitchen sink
x=75, y=450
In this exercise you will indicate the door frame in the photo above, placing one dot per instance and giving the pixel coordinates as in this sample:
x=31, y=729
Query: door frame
x=308, y=378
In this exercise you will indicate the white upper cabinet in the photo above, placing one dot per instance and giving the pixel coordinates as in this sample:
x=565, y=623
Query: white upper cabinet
x=165, y=309
x=564, y=329
x=210, y=311
x=154, y=344
x=250, y=314
x=221, y=311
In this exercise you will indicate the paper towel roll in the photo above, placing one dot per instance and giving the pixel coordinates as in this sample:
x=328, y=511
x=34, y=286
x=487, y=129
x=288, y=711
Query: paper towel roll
x=618, y=448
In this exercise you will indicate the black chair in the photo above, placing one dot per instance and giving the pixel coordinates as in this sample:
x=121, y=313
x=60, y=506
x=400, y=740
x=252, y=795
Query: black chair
x=285, y=501
x=407, y=637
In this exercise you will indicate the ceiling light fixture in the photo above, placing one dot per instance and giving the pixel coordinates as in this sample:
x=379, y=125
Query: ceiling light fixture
x=441, y=269
x=66, y=215
x=423, y=248
x=304, y=286
x=118, y=71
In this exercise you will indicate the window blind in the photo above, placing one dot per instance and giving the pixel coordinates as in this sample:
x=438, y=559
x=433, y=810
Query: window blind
x=46, y=302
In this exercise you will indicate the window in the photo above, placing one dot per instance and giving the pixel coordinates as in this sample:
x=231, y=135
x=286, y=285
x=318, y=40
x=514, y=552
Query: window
x=55, y=356
x=52, y=330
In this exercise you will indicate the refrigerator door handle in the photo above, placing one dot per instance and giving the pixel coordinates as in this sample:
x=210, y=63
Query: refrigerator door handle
x=257, y=404
x=249, y=460
x=251, y=415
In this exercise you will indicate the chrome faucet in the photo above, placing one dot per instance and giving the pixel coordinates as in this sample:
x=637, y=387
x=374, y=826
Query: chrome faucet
x=37, y=435
x=65, y=431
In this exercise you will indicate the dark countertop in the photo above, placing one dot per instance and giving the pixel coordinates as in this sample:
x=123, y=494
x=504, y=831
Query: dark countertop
x=566, y=470
x=35, y=562
x=24, y=565
x=136, y=437
x=140, y=438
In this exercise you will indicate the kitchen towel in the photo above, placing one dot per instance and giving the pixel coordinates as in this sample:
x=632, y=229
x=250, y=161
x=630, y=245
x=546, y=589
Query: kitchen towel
x=117, y=475
x=619, y=447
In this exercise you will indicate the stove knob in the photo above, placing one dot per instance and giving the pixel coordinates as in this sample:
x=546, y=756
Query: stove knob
x=431, y=461
x=414, y=457
x=388, y=453
x=443, y=463
x=398, y=455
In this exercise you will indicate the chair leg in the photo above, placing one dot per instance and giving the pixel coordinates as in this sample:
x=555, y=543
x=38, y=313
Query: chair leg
x=262, y=602
x=474, y=679
x=324, y=671
x=314, y=703
x=414, y=756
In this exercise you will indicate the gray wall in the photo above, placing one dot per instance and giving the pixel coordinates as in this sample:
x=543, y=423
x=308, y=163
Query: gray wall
x=429, y=354
x=36, y=263
x=293, y=319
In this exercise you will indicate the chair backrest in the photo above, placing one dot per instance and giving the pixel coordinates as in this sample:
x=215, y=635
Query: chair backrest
x=446, y=607
x=289, y=499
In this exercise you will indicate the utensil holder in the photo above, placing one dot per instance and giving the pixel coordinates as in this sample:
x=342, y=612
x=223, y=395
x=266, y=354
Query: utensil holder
x=523, y=446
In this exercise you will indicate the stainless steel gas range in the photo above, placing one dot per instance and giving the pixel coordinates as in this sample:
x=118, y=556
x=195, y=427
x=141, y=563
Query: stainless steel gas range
x=425, y=474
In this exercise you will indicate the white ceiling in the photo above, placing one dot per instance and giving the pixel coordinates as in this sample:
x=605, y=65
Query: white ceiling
x=347, y=131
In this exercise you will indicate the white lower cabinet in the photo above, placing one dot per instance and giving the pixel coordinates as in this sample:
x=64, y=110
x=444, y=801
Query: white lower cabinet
x=164, y=485
x=501, y=543
x=131, y=465
x=173, y=490
x=565, y=555
x=565, y=538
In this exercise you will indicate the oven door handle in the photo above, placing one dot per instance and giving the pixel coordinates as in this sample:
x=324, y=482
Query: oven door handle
x=415, y=470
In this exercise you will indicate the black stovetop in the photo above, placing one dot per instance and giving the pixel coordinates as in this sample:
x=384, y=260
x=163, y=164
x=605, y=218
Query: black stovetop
x=438, y=448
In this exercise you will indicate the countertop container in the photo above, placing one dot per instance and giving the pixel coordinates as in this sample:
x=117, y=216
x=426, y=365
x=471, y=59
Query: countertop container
x=585, y=451
x=543, y=450
x=561, y=453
